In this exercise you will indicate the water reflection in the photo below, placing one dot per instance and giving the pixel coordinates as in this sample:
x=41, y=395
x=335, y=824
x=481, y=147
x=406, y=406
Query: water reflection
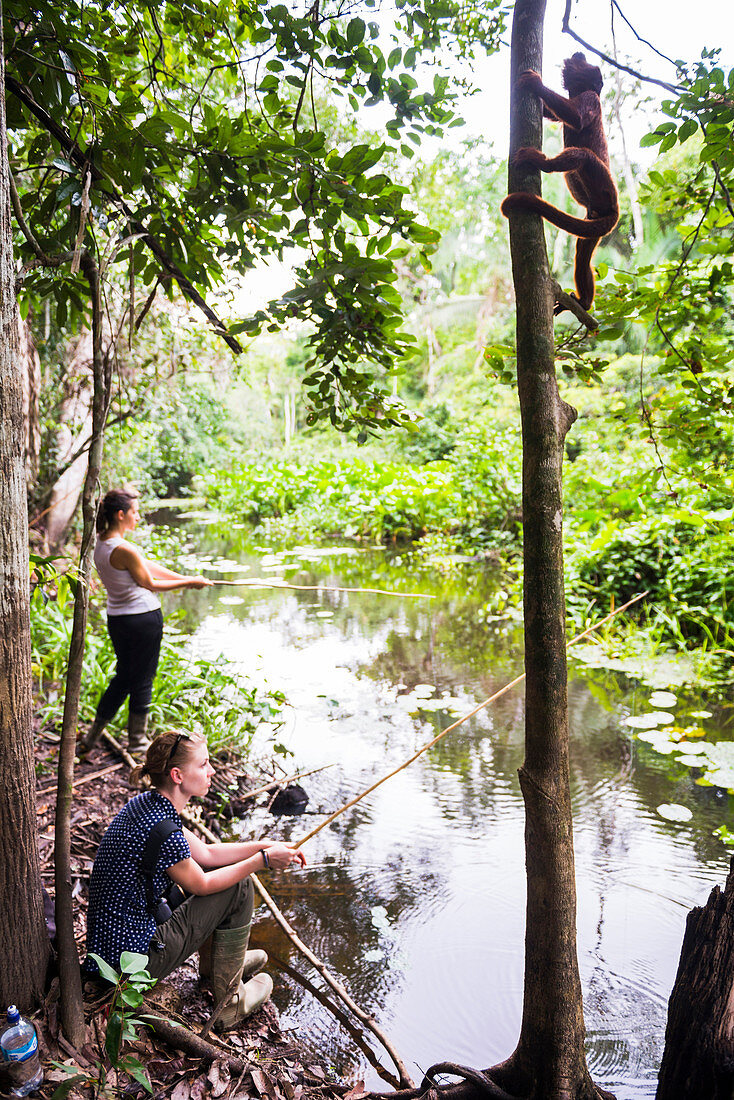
x=416, y=900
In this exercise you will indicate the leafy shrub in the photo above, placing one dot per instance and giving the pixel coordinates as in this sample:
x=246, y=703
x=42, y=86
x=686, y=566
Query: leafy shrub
x=185, y=432
x=685, y=561
x=471, y=494
x=435, y=438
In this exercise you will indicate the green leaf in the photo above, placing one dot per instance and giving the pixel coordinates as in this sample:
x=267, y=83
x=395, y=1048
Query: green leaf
x=105, y=969
x=63, y=1090
x=133, y=998
x=113, y=1036
x=132, y=962
x=355, y=32
x=134, y=1067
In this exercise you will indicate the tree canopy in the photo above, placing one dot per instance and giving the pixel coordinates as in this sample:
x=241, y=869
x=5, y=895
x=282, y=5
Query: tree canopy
x=183, y=142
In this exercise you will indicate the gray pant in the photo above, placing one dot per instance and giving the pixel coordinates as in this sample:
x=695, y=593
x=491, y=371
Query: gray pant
x=195, y=920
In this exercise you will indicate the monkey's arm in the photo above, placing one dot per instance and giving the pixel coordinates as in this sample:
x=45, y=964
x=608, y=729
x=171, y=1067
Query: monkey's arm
x=554, y=105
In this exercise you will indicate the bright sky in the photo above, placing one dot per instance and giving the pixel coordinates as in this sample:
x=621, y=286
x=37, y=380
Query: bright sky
x=674, y=27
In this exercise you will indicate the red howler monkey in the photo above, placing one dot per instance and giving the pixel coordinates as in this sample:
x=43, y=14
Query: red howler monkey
x=584, y=160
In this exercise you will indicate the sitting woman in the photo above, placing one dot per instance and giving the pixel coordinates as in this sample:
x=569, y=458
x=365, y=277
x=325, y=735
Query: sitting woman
x=126, y=886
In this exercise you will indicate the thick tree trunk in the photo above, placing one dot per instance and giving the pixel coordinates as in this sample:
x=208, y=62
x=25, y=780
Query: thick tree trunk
x=72, y=1008
x=24, y=944
x=549, y=1061
x=31, y=373
x=698, y=1061
x=73, y=433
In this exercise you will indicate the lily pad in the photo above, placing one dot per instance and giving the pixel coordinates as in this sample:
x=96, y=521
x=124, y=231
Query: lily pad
x=424, y=691
x=230, y=601
x=721, y=764
x=671, y=811
x=701, y=714
x=651, y=737
x=649, y=721
x=692, y=761
x=663, y=699
x=663, y=746
x=691, y=749
x=695, y=731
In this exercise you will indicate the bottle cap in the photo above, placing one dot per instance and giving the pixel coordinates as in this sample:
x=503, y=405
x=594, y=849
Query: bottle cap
x=13, y=1015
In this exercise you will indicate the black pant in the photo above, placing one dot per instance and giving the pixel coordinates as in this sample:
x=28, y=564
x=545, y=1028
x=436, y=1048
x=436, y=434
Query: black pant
x=136, y=640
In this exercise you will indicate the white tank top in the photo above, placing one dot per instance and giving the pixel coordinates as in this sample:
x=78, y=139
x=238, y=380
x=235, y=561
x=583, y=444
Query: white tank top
x=124, y=595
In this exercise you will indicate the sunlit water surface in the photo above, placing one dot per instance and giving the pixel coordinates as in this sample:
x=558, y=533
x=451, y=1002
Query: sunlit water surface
x=415, y=897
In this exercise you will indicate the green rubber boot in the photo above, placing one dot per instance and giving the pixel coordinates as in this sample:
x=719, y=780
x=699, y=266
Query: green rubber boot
x=228, y=956
x=255, y=961
x=90, y=739
x=137, y=733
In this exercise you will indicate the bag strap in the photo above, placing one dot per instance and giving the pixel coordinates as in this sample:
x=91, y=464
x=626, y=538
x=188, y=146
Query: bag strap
x=157, y=837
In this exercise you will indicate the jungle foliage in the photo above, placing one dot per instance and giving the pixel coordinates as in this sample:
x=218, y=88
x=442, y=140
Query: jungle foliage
x=182, y=143
x=649, y=479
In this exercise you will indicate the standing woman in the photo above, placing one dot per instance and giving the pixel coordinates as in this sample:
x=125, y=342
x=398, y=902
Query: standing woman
x=134, y=617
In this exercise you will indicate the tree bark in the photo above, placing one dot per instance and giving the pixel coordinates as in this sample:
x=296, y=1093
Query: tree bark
x=549, y=1060
x=24, y=945
x=75, y=428
x=698, y=1060
x=72, y=1006
x=31, y=374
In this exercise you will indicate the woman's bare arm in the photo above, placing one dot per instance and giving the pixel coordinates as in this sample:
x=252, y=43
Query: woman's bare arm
x=210, y=856
x=129, y=557
x=188, y=874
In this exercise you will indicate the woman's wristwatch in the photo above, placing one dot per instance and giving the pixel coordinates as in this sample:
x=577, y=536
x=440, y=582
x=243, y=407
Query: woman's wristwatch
x=266, y=861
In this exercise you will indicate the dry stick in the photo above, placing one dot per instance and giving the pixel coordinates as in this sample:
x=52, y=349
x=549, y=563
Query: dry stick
x=119, y=749
x=83, y=779
x=453, y=726
x=278, y=782
x=338, y=988
x=341, y=1016
x=180, y=1038
x=257, y=582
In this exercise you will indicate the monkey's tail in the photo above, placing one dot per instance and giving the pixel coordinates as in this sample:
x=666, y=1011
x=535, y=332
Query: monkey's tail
x=580, y=227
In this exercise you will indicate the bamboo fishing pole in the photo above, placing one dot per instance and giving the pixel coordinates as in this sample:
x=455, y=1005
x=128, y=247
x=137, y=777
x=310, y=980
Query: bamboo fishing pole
x=459, y=722
x=259, y=582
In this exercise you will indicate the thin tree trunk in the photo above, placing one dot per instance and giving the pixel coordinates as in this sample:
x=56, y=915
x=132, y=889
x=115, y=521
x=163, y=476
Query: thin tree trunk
x=24, y=946
x=549, y=1060
x=74, y=430
x=72, y=1007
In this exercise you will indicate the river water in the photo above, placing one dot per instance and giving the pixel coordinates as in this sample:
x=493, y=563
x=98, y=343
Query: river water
x=415, y=897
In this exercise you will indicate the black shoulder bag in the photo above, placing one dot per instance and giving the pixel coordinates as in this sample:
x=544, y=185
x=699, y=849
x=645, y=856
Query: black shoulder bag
x=173, y=895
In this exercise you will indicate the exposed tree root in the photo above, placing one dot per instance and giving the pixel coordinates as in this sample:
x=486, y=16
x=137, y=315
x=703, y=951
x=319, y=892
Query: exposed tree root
x=180, y=1038
x=475, y=1085
x=477, y=1077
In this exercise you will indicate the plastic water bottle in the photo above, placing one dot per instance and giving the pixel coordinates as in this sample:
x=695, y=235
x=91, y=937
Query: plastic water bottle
x=19, y=1054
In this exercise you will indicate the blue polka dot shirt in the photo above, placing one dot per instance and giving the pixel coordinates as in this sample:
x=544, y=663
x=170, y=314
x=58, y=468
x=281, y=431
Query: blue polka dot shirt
x=117, y=918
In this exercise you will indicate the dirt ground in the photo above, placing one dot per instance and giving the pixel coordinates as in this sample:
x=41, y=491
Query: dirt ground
x=254, y=1060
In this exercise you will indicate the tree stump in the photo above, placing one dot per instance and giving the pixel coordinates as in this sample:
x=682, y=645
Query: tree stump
x=698, y=1060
